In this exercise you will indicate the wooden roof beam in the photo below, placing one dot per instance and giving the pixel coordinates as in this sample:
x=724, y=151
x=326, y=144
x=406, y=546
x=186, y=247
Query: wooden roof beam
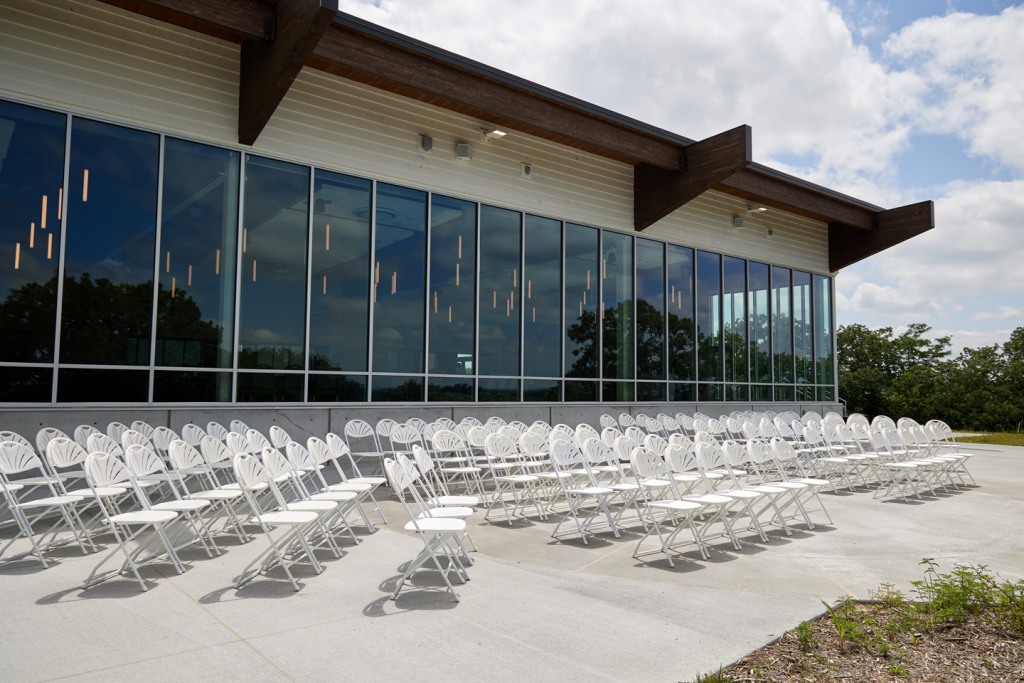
x=705, y=164
x=234, y=20
x=269, y=68
x=848, y=244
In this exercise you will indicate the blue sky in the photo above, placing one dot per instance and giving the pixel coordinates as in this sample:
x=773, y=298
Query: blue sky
x=892, y=102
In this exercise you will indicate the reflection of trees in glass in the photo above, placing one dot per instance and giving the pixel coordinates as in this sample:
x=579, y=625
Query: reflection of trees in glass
x=618, y=340
x=26, y=322
x=583, y=333
x=650, y=335
x=803, y=357
x=457, y=392
x=708, y=346
x=735, y=344
x=581, y=391
x=409, y=391
x=336, y=388
x=105, y=323
x=680, y=347
x=540, y=391
x=761, y=357
x=195, y=342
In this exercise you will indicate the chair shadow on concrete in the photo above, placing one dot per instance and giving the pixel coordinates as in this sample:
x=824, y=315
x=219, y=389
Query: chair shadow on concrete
x=274, y=584
x=424, y=590
x=115, y=588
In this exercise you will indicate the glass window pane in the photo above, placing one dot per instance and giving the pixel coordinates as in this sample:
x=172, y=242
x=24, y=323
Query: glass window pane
x=803, y=331
x=823, y=328
x=339, y=306
x=650, y=310
x=734, y=318
x=735, y=392
x=171, y=386
x=783, y=393
x=649, y=392
x=709, y=392
x=392, y=389
x=25, y=385
x=497, y=389
x=617, y=305
x=782, y=325
x=580, y=305
x=682, y=392
x=804, y=393
x=826, y=393
x=581, y=391
x=272, y=329
x=499, y=291
x=399, y=275
x=616, y=391
x=198, y=229
x=76, y=385
x=680, y=313
x=449, y=389
x=760, y=392
x=337, y=389
x=542, y=335
x=541, y=390
x=108, y=260
x=269, y=387
x=31, y=190
x=452, y=285
x=757, y=314
x=709, y=312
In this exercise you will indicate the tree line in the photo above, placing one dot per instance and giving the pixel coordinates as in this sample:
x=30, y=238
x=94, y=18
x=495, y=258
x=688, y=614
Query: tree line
x=908, y=375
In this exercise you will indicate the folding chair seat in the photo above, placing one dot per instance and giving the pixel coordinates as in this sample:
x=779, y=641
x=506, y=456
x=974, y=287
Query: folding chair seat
x=647, y=465
x=524, y=488
x=435, y=533
x=104, y=470
x=252, y=478
x=188, y=464
x=309, y=462
x=428, y=500
x=565, y=456
x=785, y=458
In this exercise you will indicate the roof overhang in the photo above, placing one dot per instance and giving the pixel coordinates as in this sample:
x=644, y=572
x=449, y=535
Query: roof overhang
x=279, y=38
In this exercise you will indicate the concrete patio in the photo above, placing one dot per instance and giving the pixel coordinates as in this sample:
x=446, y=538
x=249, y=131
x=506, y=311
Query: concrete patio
x=536, y=609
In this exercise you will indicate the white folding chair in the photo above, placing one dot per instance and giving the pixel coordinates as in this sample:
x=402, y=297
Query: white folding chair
x=647, y=465
x=279, y=437
x=505, y=457
x=193, y=435
x=143, y=428
x=115, y=430
x=216, y=430
x=566, y=456
x=82, y=434
x=188, y=462
x=357, y=431
x=238, y=427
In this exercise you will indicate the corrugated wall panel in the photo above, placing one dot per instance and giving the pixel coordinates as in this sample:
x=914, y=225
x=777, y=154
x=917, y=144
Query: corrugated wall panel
x=99, y=59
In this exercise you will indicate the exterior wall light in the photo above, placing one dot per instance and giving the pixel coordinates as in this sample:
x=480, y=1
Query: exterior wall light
x=488, y=134
x=463, y=152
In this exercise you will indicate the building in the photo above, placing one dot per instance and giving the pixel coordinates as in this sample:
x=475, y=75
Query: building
x=336, y=216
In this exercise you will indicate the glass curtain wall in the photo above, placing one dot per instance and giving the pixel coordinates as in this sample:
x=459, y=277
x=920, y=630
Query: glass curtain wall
x=399, y=284
x=580, y=301
x=823, y=358
x=542, y=300
x=734, y=324
x=709, y=325
x=452, y=299
x=803, y=334
x=500, y=282
x=782, y=332
x=682, y=343
x=31, y=198
x=760, y=354
x=617, y=315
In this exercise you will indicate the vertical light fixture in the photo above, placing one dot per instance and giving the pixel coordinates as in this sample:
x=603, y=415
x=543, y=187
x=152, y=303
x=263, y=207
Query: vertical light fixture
x=435, y=301
x=449, y=314
x=514, y=278
x=460, y=247
x=254, y=270
x=245, y=239
x=217, y=266
x=457, y=271
x=17, y=255
x=325, y=284
x=172, y=287
x=511, y=298
x=60, y=201
x=49, y=246
x=495, y=298
x=32, y=236
x=588, y=279
x=190, y=275
x=42, y=223
x=168, y=262
x=394, y=282
x=85, y=186
x=534, y=314
x=529, y=289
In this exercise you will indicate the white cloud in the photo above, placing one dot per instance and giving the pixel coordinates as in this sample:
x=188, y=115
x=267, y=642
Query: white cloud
x=890, y=302
x=971, y=339
x=1003, y=313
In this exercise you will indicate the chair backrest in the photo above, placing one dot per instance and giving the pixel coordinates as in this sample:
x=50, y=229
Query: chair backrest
x=710, y=456
x=883, y=422
x=105, y=469
x=624, y=446
x=682, y=440
x=104, y=444
x=561, y=432
x=751, y=431
x=417, y=424
x=647, y=464
x=857, y=418
x=16, y=438
x=670, y=423
x=541, y=427
x=132, y=438
x=337, y=444
x=641, y=422
x=144, y=428
x=511, y=432
x=238, y=426
x=877, y=439
x=565, y=453
x=716, y=427
x=301, y=458
x=358, y=429
x=680, y=459
x=735, y=454
x=142, y=460
x=257, y=440
x=811, y=415
x=626, y=420
x=429, y=431
x=812, y=435
x=63, y=452
x=636, y=434
x=423, y=460
x=398, y=476
x=585, y=432
x=908, y=435
x=685, y=421
x=237, y=443
x=446, y=423
x=704, y=437
x=700, y=425
x=16, y=457
x=892, y=437
x=471, y=421
x=462, y=430
x=655, y=443
x=522, y=427
x=275, y=462
x=907, y=422
x=597, y=452
x=782, y=449
x=608, y=421
x=405, y=434
x=447, y=441
x=82, y=434
x=385, y=427
x=184, y=455
x=759, y=451
x=115, y=430
x=162, y=438
x=214, y=450
x=532, y=443
x=499, y=446
x=45, y=435
x=784, y=430
x=249, y=472
x=610, y=434
x=478, y=436
x=494, y=424
x=278, y=437
x=216, y=430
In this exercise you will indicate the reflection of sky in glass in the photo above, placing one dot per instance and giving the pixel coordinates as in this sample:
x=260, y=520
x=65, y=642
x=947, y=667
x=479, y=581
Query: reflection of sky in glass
x=617, y=305
x=581, y=305
x=452, y=285
x=823, y=328
x=709, y=323
x=650, y=313
x=31, y=173
x=803, y=331
x=340, y=295
x=734, y=319
x=111, y=226
x=399, y=276
x=679, y=262
x=273, y=302
x=757, y=301
x=782, y=325
x=542, y=334
x=500, y=284
x=198, y=230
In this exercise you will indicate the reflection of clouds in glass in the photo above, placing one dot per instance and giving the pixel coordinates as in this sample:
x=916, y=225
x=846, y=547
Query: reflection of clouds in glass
x=249, y=336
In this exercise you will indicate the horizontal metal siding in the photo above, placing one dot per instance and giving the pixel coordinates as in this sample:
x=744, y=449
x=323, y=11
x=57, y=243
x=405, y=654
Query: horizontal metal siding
x=96, y=58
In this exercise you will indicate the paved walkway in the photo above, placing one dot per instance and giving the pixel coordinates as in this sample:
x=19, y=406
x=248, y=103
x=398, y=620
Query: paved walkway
x=536, y=609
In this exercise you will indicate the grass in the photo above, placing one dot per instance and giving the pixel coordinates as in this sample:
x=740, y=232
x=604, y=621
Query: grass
x=996, y=439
